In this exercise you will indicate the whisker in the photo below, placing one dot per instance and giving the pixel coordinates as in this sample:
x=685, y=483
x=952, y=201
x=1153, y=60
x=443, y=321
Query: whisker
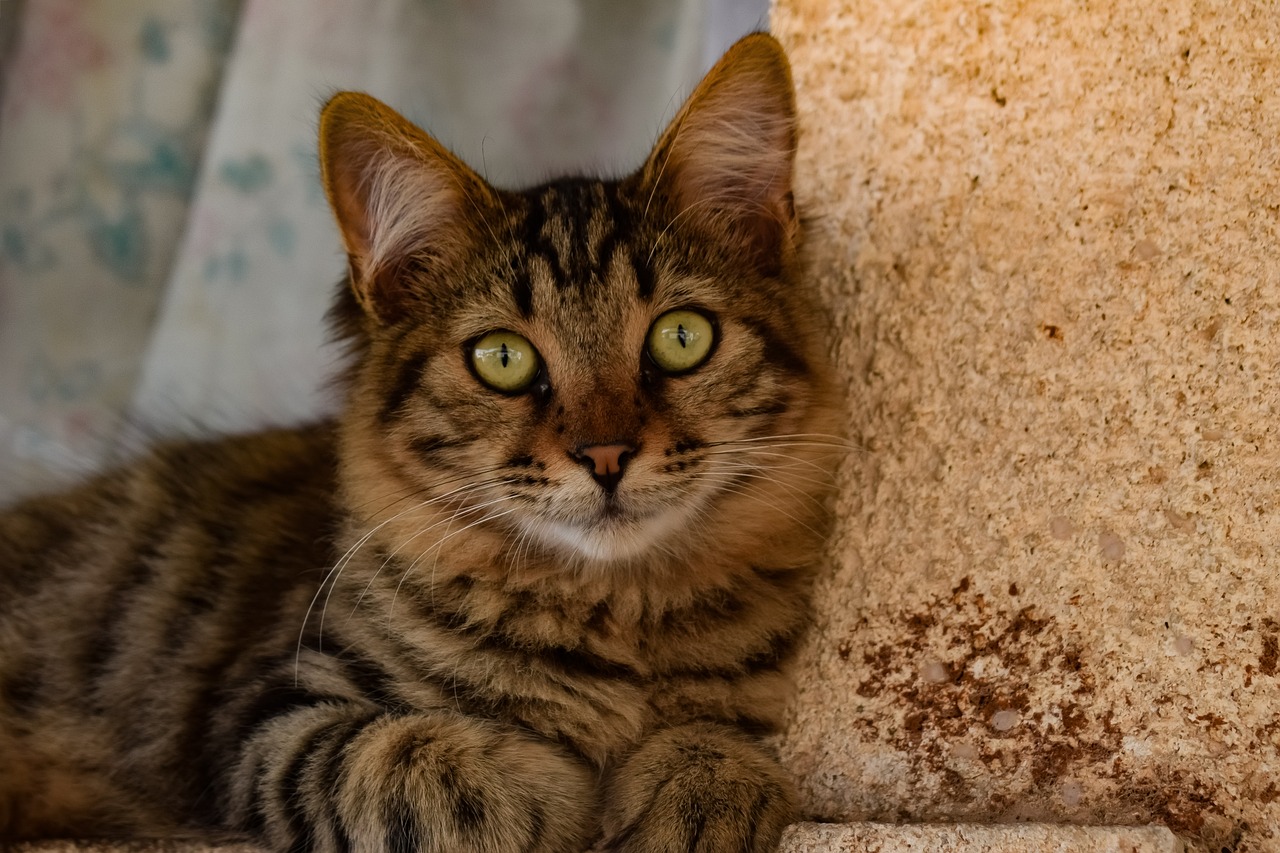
x=786, y=441
x=331, y=576
x=747, y=474
x=459, y=495
x=759, y=452
x=750, y=495
x=772, y=470
x=439, y=544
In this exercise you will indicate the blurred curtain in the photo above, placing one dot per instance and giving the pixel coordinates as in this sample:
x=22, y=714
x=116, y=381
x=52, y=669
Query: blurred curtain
x=166, y=256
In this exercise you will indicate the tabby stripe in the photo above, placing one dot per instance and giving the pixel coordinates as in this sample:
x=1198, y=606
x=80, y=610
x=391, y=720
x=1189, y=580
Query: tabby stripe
x=624, y=836
x=717, y=604
x=539, y=244
x=408, y=380
x=753, y=726
x=275, y=702
x=312, y=772
x=21, y=689
x=769, y=659
x=426, y=446
x=522, y=290
x=255, y=823
x=775, y=407
x=329, y=777
x=780, y=649
x=757, y=810
x=403, y=831
x=497, y=639
x=576, y=201
x=785, y=579
x=467, y=802
x=778, y=352
x=369, y=678
x=644, y=273
x=201, y=749
x=34, y=529
x=619, y=221
x=290, y=788
x=471, y=701
x=699, y=820
x=537, y=827
x=139, y=570
x=281, y=482
x=576, y=661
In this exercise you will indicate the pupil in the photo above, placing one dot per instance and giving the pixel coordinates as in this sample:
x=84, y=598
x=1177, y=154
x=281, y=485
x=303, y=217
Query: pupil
x=682, y=335
x=505, y=357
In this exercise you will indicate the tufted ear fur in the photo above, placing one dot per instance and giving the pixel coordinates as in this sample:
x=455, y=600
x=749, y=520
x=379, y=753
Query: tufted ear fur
x=408, y=210
x=724, y=164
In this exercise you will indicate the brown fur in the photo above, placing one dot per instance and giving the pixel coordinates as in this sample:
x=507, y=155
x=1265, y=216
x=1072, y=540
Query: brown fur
x=426, y=626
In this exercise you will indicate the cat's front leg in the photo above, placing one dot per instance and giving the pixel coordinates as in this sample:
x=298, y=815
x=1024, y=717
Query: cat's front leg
x=333, y=778
x=699, y=787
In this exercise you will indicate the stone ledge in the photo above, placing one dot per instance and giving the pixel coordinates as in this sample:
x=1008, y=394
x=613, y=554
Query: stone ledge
x=972, y=838
x=801, y=838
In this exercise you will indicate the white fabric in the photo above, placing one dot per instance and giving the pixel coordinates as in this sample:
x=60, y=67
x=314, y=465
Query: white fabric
x=211, y=315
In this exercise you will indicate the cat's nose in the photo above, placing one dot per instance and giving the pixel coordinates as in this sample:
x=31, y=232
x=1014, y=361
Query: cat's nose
x=606, y=462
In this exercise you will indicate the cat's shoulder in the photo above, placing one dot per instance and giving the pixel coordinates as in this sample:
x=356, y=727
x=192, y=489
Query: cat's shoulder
x=177, y=470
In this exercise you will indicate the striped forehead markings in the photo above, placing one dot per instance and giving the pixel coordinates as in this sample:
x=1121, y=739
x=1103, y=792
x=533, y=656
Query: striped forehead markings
x=576, y=227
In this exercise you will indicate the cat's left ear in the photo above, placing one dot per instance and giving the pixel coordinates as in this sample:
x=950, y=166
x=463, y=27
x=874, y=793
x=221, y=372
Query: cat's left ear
x=724, y=164
x=409, y=211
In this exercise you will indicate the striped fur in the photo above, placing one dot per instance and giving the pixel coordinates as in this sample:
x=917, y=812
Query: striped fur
x=425, y=626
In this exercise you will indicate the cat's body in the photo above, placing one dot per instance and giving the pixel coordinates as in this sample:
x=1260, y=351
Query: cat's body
x=478, y=612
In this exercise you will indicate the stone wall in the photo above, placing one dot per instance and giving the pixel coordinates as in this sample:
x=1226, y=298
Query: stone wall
x=1049, y=234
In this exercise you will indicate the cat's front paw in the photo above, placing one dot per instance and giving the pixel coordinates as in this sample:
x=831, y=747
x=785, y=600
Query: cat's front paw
x=422, y=783
x=703, y=788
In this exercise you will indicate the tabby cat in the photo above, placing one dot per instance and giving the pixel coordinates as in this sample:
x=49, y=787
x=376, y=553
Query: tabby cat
x=533, y=590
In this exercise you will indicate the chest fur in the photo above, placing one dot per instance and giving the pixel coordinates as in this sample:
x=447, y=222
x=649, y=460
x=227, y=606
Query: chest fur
x=593, y=672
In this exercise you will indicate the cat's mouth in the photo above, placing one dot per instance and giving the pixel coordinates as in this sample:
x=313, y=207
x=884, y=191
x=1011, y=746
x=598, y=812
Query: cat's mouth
x=612, y=510
x=614, y=532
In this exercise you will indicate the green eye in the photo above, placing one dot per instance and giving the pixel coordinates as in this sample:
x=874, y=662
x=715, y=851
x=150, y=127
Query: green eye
x=505, y=361
x=681, y=340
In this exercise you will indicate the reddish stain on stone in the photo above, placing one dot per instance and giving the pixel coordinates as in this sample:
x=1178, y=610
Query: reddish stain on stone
x=1270, y=654
x=993, y=657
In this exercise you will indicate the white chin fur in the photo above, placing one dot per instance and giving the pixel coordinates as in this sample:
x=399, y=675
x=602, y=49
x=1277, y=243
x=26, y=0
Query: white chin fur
x=613, y=541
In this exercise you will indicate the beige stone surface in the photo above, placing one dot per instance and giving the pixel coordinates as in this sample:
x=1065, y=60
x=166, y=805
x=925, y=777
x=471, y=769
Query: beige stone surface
x=941, y=838
x=1049, y=233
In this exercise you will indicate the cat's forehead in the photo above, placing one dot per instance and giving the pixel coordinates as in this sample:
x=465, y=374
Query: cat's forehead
x=583, y=267
x=581, y=245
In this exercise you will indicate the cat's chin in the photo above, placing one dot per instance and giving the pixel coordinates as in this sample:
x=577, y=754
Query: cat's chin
x=612, y=538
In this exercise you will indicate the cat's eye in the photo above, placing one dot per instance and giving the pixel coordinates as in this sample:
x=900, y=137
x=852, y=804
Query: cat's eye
x=681, y=340
x=505, y=361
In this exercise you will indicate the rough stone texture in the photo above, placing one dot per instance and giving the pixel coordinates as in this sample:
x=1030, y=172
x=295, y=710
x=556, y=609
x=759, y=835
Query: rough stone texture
x=801, y=838
x=1041, y=838
x=1050, y=235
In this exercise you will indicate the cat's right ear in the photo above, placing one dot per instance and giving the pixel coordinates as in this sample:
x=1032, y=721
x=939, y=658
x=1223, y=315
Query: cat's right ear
x=724, y=164
x=408, y=210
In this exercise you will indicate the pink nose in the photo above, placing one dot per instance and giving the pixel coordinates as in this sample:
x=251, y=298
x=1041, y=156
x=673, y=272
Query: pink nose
x=605, y=462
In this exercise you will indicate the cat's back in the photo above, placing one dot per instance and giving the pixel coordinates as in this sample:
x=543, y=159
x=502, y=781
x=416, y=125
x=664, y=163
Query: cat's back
x=144, y=586
x=187, y=502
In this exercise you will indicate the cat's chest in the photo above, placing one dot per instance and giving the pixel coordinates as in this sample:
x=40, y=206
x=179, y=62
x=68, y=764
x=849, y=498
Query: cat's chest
x=593, y=670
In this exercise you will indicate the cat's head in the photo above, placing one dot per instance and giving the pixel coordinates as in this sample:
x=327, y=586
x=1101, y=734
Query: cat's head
x=603, y=370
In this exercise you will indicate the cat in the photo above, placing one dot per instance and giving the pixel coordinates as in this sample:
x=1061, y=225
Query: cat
x=534, y=589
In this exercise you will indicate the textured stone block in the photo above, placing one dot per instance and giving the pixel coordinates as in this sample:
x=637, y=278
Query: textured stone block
x=1049, y=235
x=943, y=838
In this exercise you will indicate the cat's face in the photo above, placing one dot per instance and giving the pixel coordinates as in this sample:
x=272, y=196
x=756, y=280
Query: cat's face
x=602, y=369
